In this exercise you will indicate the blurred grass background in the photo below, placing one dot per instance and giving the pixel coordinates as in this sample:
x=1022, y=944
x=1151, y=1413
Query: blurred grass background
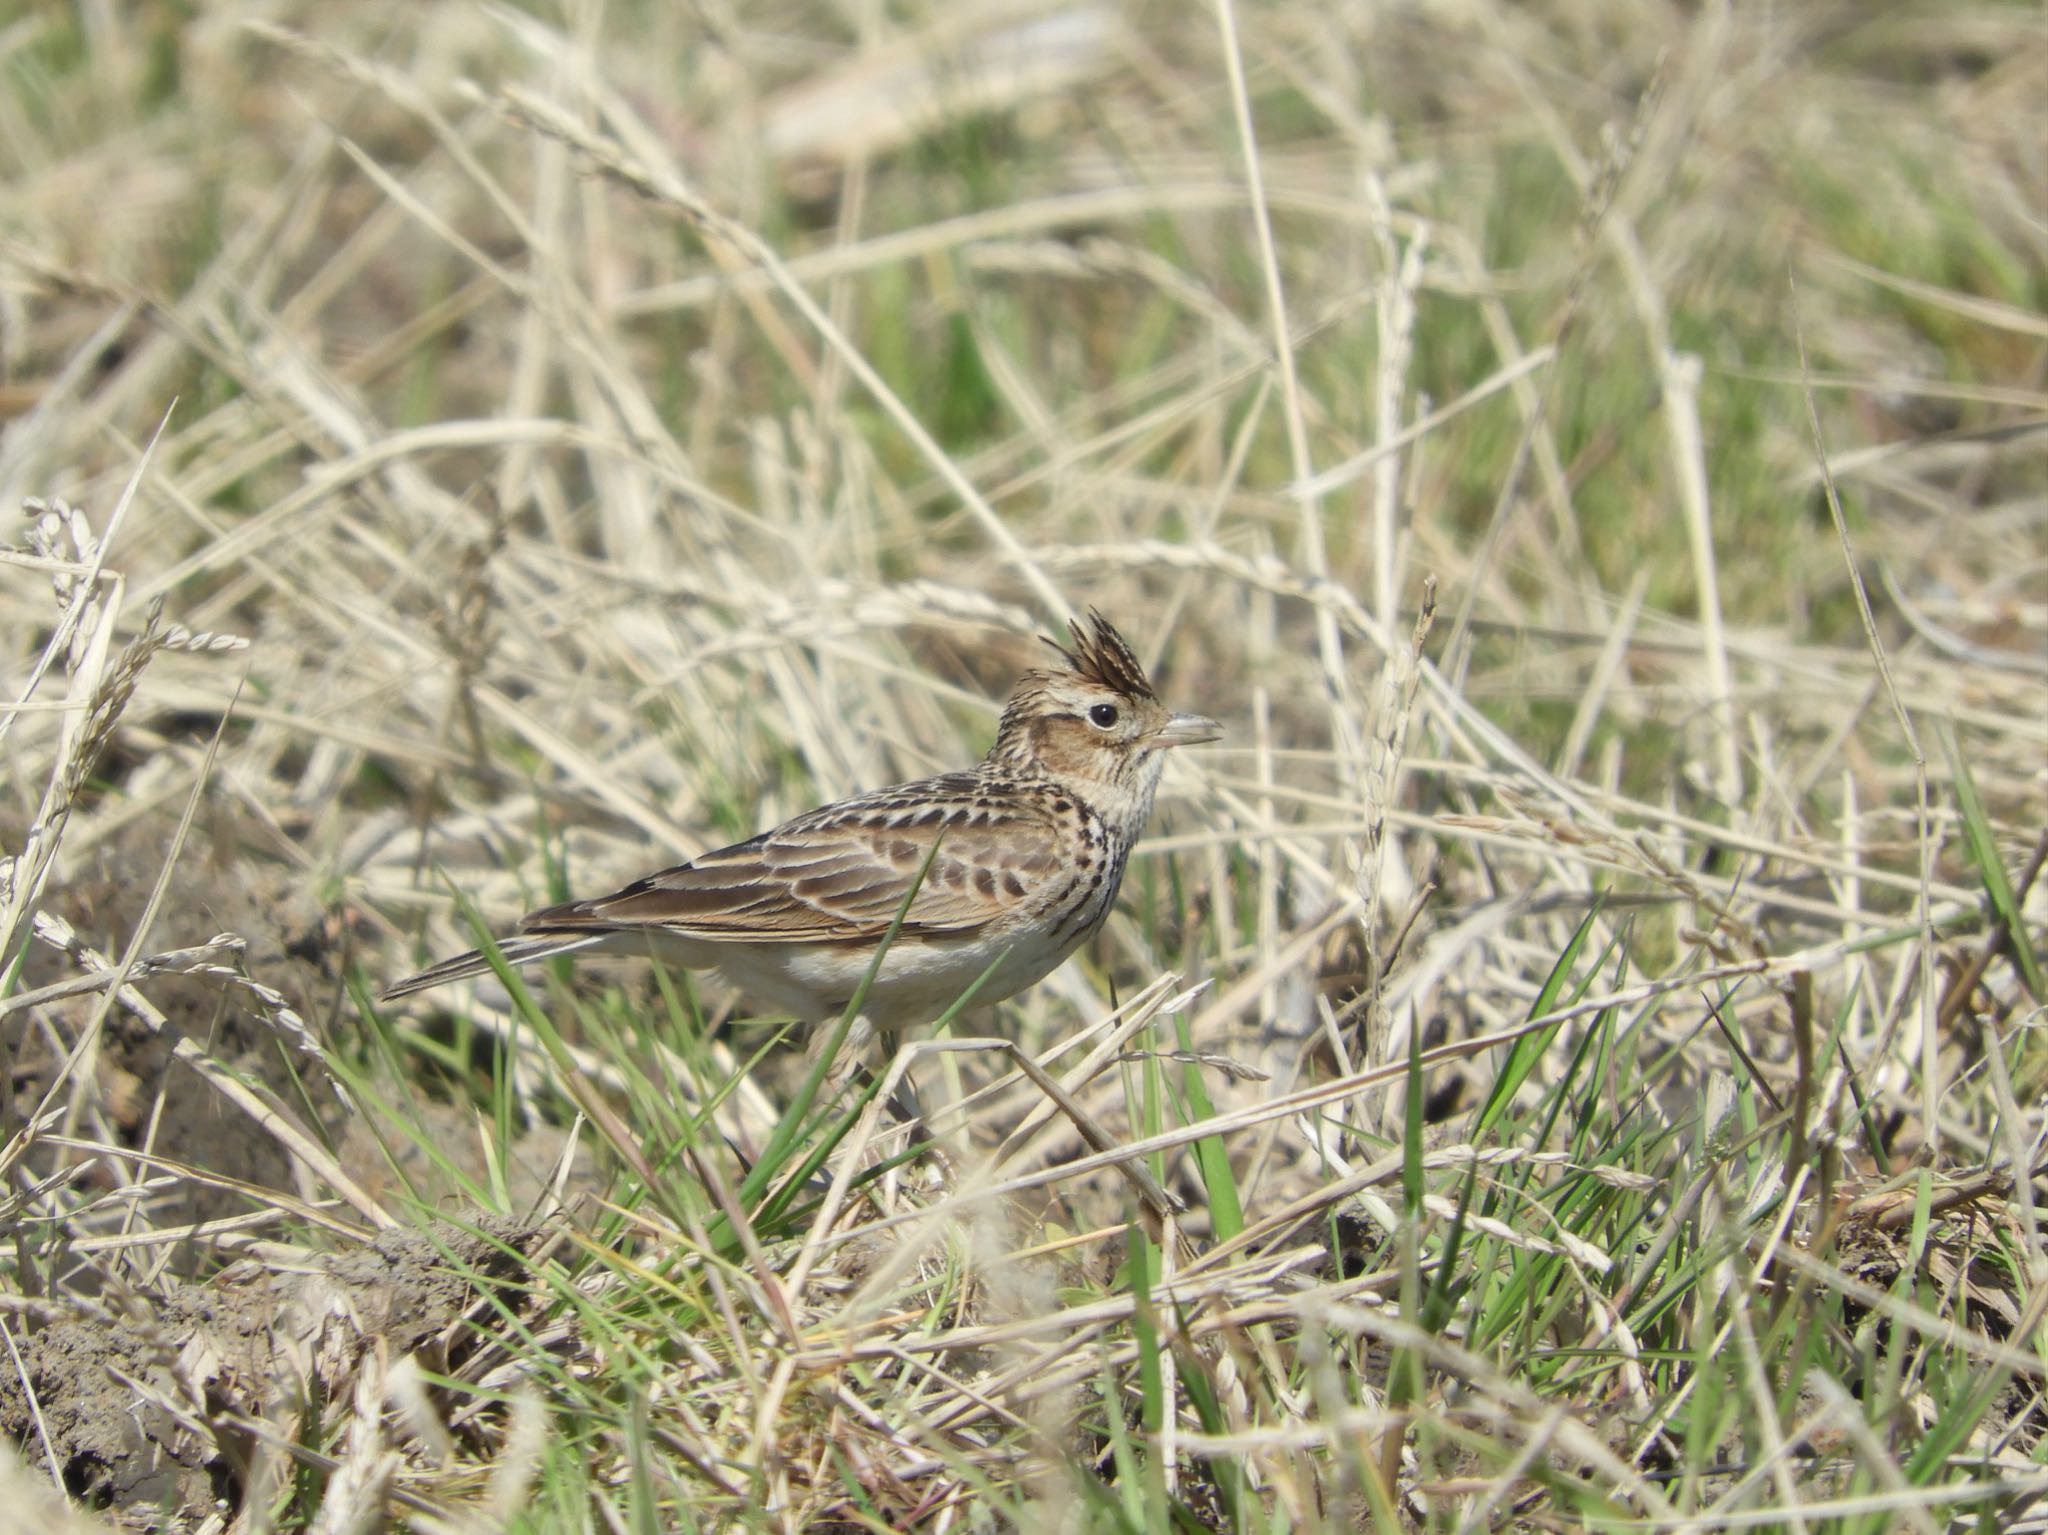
x=614, y=428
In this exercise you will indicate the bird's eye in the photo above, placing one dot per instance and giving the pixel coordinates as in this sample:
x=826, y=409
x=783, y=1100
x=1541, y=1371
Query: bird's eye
x=1102, y=716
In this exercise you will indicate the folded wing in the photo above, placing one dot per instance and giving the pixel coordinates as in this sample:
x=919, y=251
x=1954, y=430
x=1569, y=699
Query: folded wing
x=840, y=874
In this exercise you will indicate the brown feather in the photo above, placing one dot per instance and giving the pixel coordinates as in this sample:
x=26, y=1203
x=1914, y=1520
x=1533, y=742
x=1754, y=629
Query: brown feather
x=840, y=874
x=1100, y=656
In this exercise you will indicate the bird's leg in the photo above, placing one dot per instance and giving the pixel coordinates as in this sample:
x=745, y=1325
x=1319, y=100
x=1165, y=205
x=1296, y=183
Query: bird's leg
x=855, y=1063
x=903, y=1101
x=848, y=1063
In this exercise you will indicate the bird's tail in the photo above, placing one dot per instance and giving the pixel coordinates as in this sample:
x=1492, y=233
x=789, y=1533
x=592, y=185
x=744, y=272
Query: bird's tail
x=516, y=952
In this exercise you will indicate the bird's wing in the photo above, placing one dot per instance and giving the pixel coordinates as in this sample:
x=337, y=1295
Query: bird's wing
x=840, y=873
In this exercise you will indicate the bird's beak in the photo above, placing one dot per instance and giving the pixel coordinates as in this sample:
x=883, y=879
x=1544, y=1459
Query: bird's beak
x=1189, y=730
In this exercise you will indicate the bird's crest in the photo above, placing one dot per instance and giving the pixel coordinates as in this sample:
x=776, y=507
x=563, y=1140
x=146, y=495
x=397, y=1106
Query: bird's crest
x=1101, y=656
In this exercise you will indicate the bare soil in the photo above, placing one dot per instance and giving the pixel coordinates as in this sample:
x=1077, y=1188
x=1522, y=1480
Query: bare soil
x=135, y=1405
x=132, y=1378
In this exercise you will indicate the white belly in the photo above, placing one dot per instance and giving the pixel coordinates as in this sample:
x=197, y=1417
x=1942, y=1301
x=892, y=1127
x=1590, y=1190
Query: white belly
x=919, y=978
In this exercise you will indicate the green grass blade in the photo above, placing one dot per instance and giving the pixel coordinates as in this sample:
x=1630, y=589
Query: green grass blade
x=1212, y=1157
x=789, y=1128
x=1983, y=844
x=1529, y=1049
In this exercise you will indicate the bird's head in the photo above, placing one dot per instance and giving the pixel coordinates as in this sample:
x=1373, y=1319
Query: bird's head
x=1094, y=725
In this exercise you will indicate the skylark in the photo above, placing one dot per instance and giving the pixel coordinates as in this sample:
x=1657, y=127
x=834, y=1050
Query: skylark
x=1031, y=846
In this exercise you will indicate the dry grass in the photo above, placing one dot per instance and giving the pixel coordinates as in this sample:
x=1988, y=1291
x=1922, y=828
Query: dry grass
x=1572, y=1056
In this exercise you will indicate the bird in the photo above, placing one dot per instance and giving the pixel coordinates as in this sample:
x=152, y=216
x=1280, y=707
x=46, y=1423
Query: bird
x=1015, y=863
